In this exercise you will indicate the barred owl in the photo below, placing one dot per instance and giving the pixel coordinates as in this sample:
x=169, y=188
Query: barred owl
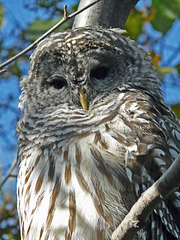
x=95, y=134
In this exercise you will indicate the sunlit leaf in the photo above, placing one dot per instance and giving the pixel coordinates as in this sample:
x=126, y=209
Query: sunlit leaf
x=176, y=110
x=166, y=12
x=165, y=70
x=134, y=24
x=155, y=59
x=74, y=8
x=1, y=14
x=150, y=14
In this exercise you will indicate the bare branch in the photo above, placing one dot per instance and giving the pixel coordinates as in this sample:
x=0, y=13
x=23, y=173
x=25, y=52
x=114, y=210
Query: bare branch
x=3, y=70
x=65, y=18
x=148, y=201
x=13, y=165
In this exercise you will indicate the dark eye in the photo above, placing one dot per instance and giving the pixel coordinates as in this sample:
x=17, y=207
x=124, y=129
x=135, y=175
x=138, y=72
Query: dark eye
x=99, y=73
x=58, y=83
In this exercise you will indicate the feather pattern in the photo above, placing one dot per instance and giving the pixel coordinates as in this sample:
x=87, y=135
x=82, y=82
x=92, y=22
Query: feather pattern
x=81, y=171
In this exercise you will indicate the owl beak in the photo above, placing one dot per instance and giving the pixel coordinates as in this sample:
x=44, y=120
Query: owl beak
x=83, y=100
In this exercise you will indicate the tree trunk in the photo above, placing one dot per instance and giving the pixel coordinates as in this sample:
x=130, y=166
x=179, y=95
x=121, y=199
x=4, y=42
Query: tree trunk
x=106, y=13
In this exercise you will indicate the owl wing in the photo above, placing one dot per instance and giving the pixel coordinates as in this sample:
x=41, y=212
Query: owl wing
x=151, y=147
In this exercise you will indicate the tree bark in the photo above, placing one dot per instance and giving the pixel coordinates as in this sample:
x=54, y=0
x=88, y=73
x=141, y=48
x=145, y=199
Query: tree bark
x=106, y=13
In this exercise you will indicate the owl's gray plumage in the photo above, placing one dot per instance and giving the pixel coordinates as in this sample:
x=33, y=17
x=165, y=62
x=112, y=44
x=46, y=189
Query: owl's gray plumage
x=81, y=170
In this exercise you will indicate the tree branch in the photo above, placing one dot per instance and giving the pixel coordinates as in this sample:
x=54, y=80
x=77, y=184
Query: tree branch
x=65, y=18
x=13, y=165
x=148, y=201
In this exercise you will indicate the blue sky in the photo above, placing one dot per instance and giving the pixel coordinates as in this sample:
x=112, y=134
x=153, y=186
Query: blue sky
x=17, y=17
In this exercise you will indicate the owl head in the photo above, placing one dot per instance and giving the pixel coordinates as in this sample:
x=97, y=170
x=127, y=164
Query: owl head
x=77, y=67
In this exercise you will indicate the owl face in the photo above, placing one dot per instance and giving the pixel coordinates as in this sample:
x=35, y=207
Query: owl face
x=77, y=67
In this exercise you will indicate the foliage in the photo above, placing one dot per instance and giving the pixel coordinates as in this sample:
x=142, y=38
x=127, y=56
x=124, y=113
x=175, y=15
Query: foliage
x=166, y=12
x=1, y=13
x=160, y=15
x=134, y=24
x=176, y=110
x=9, y=224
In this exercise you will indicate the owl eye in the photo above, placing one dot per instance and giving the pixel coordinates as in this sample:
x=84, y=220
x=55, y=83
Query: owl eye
x=58, y=83
x=99, y=73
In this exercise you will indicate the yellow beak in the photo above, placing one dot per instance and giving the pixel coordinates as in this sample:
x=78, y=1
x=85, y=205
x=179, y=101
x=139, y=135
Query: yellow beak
x=83, y=100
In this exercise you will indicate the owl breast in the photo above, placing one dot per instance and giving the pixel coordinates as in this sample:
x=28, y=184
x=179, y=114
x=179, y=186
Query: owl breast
x=80, y=180
x=73, y=187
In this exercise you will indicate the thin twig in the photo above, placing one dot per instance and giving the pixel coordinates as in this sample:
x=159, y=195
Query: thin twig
x=65, y=18
x=65, y=11
x=13, y=176
x=3, y=70
x=9, y=172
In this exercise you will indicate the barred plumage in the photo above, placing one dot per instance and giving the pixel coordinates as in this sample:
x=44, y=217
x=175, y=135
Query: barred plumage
x=81, y=170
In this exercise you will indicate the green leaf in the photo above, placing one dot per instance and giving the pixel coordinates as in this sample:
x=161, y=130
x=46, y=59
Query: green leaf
x=74, y=8
x=15, y=70
x=1, y=14
x=176, y=110
x=178, y=69
x=47, y=3
x=165, y=70
x=134, y=24
x=39, y=27
x=166, y=12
